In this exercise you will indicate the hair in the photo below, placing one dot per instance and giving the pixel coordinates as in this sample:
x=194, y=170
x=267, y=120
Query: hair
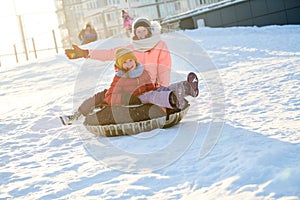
x=141, y=21
x=144, y=22
x=88, y=25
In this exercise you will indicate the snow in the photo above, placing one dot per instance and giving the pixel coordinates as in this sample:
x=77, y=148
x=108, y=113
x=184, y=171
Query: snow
x=239, y=140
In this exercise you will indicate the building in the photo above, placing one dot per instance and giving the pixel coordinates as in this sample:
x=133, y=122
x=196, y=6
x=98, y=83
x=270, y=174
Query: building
x=105, y=15
x=238, y=13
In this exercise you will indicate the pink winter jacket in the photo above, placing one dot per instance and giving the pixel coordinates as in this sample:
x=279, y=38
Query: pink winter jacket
x=157, y=61
x=127, y=21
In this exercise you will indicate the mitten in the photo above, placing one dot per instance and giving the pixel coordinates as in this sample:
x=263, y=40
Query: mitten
x=128, y=99
x=76, y=52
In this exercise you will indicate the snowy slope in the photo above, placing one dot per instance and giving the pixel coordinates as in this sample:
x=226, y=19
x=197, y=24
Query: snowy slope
x=244, y=146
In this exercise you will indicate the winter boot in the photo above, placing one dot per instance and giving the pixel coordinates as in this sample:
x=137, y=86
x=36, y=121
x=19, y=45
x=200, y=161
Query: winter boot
x=173, y=100
x=192, y=81
x=68, y=119
x=180, y=94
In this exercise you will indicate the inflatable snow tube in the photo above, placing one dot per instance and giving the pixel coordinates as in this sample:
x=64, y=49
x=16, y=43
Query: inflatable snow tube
x=118, y=120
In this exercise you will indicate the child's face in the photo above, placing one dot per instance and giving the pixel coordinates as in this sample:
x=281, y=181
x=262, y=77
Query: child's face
x=129, y=64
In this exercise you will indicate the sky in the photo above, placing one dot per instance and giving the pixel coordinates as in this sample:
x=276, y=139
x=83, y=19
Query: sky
x=38, y=18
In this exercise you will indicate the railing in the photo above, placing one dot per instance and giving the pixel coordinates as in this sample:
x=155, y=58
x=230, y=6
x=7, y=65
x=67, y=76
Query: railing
x=40, y=46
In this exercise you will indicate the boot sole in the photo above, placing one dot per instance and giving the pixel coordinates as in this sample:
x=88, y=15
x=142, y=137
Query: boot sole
x=193, y=80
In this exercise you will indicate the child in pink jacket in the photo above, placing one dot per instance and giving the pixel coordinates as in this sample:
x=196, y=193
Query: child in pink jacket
x=149, y=49
x=127, y=22
x=147, y=46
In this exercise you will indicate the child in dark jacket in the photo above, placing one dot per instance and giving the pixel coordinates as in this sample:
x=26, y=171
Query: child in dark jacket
x=88, y=34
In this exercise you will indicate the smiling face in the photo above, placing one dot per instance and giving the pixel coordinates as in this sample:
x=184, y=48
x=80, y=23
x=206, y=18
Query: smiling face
x=142, y=32
x=125, y=59
x=129, y=64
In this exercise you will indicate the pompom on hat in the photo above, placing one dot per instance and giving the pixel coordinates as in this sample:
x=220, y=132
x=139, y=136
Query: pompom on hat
x=122, y=55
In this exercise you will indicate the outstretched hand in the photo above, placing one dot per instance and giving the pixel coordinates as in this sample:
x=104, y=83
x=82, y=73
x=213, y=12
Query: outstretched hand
x=76, y=52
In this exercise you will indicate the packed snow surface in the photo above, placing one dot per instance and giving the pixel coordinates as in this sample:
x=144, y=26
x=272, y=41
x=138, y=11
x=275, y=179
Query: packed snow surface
x=239, y=140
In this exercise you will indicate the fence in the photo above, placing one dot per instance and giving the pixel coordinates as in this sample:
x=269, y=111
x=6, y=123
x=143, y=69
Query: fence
x=40, y=46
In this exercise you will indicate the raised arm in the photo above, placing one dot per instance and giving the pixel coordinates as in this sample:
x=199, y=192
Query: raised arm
x=96, y=54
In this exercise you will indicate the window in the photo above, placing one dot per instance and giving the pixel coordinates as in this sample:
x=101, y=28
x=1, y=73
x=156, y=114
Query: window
x=177, y=6
x=108, y=17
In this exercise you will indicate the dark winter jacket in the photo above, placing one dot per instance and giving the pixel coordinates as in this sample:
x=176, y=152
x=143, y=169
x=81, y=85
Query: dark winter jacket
x=87, y=37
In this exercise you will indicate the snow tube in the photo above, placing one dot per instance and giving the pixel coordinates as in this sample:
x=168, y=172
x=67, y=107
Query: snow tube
x=113, y=121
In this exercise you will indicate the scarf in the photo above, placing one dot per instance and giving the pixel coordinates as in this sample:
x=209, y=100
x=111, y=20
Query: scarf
x=135, y=73
x=146, y=44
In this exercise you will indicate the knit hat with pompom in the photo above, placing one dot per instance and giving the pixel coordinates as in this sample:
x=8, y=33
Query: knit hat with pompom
x=122, y=55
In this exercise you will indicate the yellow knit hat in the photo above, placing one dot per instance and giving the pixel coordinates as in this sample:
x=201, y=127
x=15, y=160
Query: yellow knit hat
x=122, y=55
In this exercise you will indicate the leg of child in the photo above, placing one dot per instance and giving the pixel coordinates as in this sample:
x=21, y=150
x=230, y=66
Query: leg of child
x=160, y=98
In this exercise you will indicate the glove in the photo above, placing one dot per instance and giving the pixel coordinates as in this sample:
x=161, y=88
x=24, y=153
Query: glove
x=128, y=99
x=162, y=88
x=76, y=52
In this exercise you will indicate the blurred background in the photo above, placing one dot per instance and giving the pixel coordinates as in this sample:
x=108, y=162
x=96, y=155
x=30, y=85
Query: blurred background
x=34, y=29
